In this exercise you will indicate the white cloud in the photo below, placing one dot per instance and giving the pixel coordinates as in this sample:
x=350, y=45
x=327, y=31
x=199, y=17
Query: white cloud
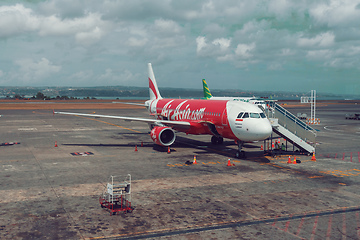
x=32, y=71
x=245, y=50
x=322, y=40
x=17, y=19
x=319, y=55
x=166, y=26
x=219, y=47
x=201, y=44
x=223, y=43
x=336, y=13
x=91, y=39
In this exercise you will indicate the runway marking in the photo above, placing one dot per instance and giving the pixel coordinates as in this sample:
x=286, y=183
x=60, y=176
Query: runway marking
x=343, y=156
x=27, y=129
x=115, y=125
x=357, y=224
x=314, y=228
x=81, y=153
x=344, y=224
x=328, y=232
x=300, y=226
x=338, y=173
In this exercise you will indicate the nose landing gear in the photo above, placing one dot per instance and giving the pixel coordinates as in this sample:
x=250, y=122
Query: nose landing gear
x=239, y=153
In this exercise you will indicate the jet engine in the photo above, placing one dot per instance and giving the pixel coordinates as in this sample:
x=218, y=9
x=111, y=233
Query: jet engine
x=163, y=136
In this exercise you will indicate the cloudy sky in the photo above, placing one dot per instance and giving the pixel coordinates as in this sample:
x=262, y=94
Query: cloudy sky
x=248, y=45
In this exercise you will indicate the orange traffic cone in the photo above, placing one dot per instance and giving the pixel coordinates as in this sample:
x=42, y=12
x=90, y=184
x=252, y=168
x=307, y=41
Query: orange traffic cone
x=295, y=160
x=313, y=157
x=229, y=163
x=261, y=148
x=194, y=162
x=289, y=160
x=135, y=148
x=272, y=146
x=56, y=144
x=169, y=150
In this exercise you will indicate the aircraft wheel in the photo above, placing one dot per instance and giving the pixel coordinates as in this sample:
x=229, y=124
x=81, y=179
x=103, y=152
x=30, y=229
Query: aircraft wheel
x=217, y=140
x=214, y=140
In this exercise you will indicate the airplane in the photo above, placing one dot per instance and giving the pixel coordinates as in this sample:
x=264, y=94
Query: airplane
x=207, y=95
x=239, y=121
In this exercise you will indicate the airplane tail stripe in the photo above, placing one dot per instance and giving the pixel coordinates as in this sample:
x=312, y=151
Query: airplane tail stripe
x=153, y=89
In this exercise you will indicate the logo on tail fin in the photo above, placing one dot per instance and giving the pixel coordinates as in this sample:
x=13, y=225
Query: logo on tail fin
x=207, y=94
x=153, y=89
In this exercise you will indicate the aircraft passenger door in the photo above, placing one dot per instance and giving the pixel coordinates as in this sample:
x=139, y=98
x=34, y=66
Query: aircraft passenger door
x=224, y=119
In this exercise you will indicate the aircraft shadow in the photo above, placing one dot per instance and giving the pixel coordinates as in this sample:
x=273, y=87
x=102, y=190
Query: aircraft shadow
x=227, y=149
x=223, y=149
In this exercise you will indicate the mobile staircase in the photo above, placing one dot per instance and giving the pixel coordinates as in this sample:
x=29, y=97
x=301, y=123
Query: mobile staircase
x=288, y=126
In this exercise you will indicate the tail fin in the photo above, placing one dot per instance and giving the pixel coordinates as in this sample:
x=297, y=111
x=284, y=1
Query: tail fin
x=153, y=89
x=207, y=94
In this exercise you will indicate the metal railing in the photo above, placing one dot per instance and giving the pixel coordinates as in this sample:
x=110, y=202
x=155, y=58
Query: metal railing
x=292, y=123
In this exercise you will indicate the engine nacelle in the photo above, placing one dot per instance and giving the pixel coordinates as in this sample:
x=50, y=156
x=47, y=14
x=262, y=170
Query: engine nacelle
x=163, y=136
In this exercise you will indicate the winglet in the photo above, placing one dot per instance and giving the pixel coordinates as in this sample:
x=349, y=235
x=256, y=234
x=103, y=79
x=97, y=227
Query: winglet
x=153, y=89
x=207, y=94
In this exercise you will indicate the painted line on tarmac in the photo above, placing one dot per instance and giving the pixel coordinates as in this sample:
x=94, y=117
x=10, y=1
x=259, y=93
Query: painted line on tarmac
x=345, y=156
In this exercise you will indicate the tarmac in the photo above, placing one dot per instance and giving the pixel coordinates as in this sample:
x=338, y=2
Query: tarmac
x=55, y=167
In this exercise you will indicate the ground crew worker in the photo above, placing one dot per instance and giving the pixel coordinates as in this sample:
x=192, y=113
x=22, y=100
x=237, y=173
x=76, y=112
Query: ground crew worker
x=277, y=147
x=282, y=147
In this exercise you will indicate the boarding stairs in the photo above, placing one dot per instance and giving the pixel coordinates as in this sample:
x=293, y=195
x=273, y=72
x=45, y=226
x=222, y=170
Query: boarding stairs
x=288, y=126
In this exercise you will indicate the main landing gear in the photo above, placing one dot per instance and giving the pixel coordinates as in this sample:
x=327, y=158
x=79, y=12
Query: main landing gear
x=239, y=153
x=217, y=140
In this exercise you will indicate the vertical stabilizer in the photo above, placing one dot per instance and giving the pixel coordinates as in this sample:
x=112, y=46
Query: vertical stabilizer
x=207, y=94
x=153, y=89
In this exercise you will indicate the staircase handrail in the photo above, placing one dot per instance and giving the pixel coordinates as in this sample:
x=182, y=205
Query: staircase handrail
x=293, y=118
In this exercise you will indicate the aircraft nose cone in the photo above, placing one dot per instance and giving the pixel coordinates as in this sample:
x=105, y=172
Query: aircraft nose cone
x=264, y=130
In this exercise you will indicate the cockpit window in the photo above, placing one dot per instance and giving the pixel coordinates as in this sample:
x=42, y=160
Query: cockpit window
x=240, y=115
x=246, y=115
x=262, y=115
x=254, y=115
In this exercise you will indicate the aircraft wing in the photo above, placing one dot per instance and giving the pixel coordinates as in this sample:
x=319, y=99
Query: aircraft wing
x=129, y=103
x=145, y=120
